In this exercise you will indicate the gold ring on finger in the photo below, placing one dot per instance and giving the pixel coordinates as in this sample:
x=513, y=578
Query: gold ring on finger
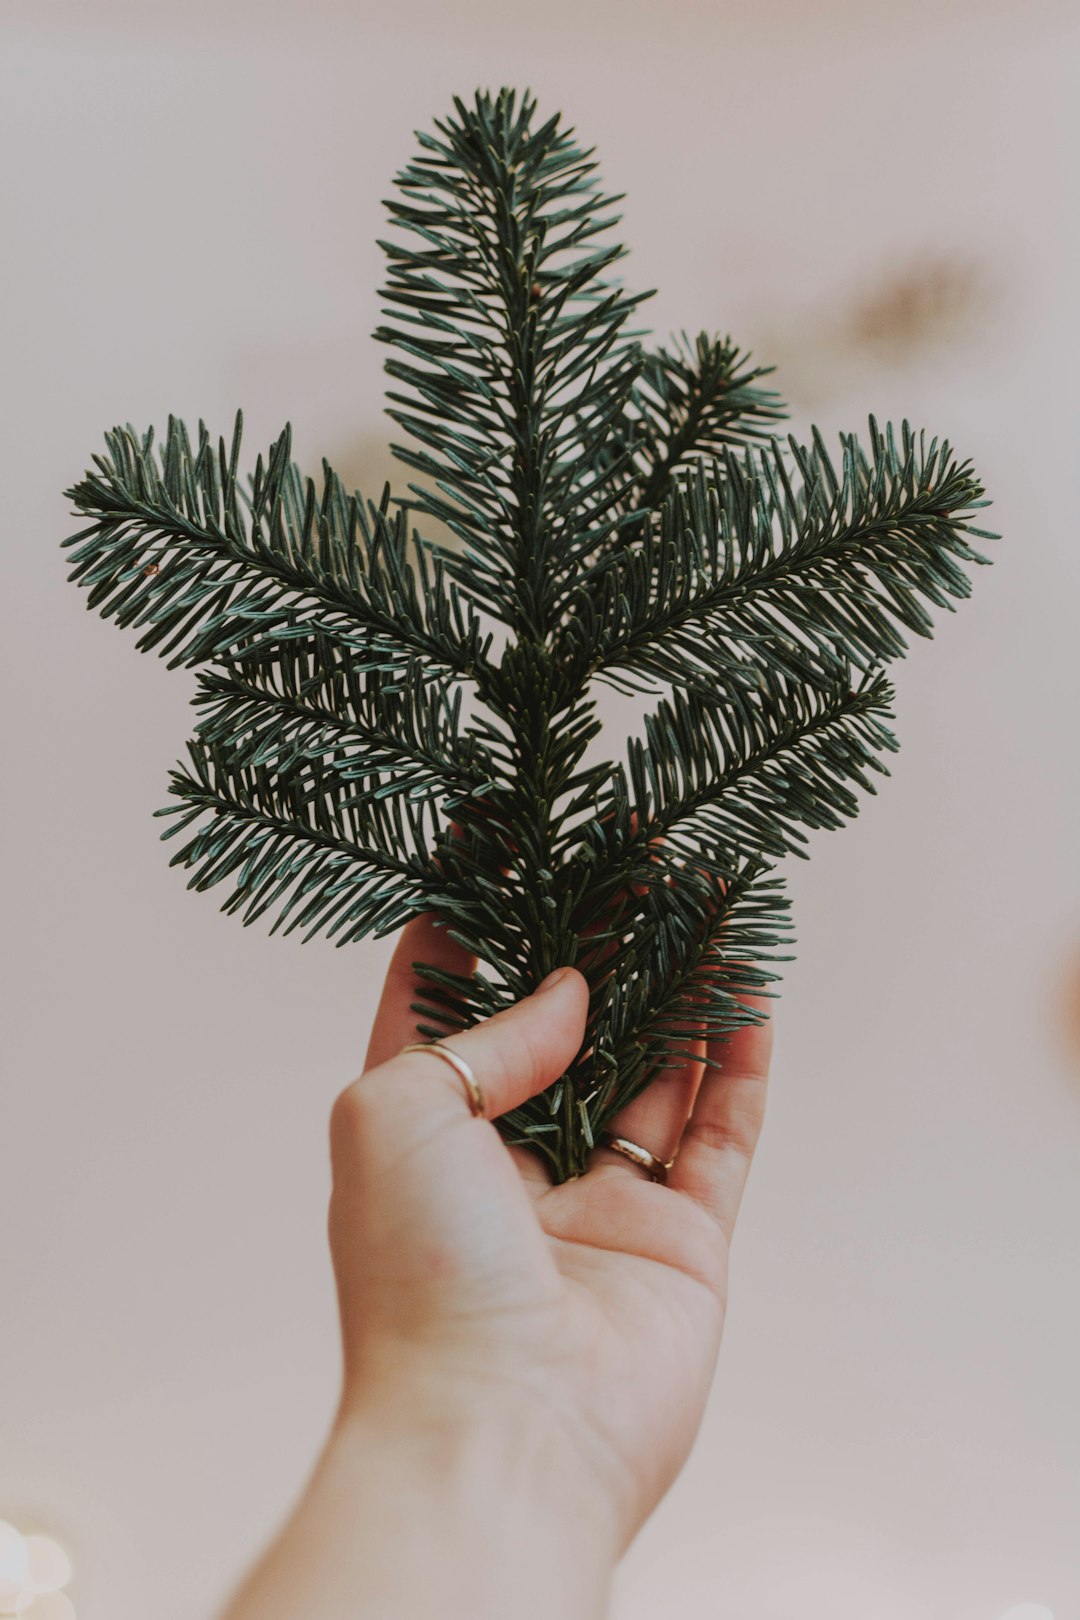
x=477, y=1102
x=656, y=1168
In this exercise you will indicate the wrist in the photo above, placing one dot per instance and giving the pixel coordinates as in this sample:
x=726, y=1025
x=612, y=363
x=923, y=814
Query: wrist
x=486, y=1505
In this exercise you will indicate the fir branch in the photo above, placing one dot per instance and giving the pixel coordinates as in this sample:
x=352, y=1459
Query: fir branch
x=746, y=776
x=716, y=792
x=722, y=781
x=511, y=347
x=309, y=701
x=297, y=846
x=748, y=566
x=696, y=400
x=623, y=521
x=515, y=366
x=681, y=976
x=697, y=951
x=692, y=400
x=176, y=544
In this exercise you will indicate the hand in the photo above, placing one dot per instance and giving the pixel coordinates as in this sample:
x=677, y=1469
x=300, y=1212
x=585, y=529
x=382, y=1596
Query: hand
x=596, y=1305
x=521, y=1359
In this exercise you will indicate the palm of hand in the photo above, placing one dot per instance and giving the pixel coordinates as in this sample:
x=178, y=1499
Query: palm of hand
x=631, y=1342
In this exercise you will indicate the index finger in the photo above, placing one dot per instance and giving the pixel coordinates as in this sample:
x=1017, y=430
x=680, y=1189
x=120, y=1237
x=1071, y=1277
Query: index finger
x=423, y=939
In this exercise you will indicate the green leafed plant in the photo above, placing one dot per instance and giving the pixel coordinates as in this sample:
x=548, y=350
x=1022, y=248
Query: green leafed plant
x=390, y=725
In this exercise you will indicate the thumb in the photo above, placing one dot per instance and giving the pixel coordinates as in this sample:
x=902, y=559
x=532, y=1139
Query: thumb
x=429, y=1217
x=514, y=1055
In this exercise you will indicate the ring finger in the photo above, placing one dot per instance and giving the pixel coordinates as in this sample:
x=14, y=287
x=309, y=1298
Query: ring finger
x=656, y=1119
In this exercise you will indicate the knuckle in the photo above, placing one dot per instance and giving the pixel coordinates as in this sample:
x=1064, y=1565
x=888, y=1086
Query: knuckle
x=737, y=1129
x=713, y=1134
x=347, y=1114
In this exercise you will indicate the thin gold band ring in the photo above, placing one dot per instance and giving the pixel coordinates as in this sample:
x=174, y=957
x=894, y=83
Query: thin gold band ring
x=477, y=1104
x=657, y=1168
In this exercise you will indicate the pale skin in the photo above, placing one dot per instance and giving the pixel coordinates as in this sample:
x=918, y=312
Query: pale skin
x=525, y=1366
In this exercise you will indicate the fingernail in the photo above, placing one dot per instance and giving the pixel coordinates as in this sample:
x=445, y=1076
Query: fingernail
x=551, y=980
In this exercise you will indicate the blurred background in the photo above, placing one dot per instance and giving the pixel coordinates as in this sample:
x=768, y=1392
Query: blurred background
x=879, y=198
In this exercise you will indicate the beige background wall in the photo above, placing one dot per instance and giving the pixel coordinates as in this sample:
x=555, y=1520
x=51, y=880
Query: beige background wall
x=883, y=199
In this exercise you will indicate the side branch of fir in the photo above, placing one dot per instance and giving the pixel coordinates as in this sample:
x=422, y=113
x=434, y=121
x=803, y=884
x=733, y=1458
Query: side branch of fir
x=388, y=725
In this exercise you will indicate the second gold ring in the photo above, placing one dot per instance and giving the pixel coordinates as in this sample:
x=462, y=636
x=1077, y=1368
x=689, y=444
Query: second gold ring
x=657, y=1168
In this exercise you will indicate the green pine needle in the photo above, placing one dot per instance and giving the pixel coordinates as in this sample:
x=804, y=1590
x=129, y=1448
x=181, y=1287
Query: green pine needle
x=389, y=725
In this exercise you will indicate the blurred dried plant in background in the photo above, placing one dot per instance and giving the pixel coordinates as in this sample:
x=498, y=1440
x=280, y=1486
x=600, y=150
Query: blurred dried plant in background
x=901, y=316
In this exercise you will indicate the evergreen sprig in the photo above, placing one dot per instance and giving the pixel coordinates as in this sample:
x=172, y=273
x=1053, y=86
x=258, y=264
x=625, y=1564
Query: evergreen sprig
x=389, y=725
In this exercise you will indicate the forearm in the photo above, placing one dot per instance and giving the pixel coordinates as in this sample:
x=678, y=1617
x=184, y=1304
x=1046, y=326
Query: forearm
x=436, y=1520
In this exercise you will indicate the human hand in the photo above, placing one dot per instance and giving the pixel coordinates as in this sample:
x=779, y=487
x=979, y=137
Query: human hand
x=525, y=1366
x=589, y=1311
